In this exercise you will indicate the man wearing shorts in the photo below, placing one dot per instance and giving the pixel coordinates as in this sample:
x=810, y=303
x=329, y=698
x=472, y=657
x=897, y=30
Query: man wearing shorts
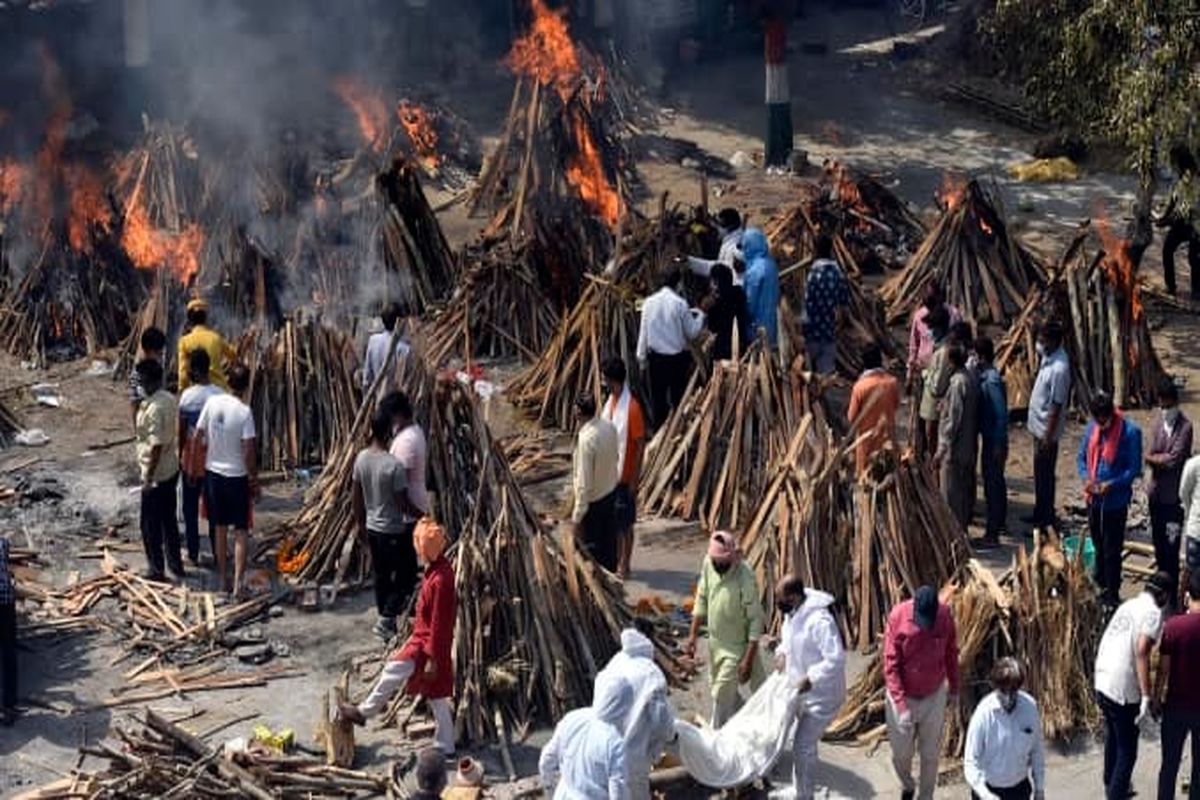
x=231, y=471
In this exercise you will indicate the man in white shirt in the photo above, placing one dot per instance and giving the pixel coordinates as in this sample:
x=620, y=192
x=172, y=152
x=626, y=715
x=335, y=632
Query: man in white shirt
x=585, y=758
x=1004, y=741
x=376, y=356
x=810, y=649
x=667, y=327
x=1189, y=496
x=729, y=225
x=1123, y=678
x=226, y=426
x=595, y=478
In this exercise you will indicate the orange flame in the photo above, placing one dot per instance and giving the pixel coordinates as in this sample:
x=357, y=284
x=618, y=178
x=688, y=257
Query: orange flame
x=586, y=174
x=14, y=177
x=149, y=247
x=368, y=108
x=418, y=125
x=546, y=53
x=952, y=193
x=88, y=210
x=1118, y=264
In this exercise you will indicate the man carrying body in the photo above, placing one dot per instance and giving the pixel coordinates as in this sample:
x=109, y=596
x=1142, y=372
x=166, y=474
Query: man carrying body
x=1123, y=679
x=649, y=723
x=667, y=327
x=624, y=411
x=586, y=758
x=1047, y=412
x=826, y=293
x=158, y=462
x=1109, y=461
x=874, y=401
x=202, y=337
x=595, y=485
x=920, y=667
x=810, y=650
x=956, y=439
x=727, y=603
x=226, y=428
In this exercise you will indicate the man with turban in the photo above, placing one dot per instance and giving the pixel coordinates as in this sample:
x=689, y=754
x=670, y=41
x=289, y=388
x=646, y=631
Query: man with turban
x=423, y=665
x=728, y=603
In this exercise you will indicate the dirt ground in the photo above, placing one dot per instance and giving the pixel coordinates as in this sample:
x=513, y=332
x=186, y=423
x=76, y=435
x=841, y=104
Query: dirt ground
x=860, y=107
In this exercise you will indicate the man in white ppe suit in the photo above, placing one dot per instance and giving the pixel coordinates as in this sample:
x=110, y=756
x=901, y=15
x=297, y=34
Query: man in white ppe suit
x=649, y=724
x=585, y=758
x=810, y=649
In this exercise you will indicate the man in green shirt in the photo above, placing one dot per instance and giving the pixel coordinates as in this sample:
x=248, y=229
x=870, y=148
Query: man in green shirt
x=727, y=602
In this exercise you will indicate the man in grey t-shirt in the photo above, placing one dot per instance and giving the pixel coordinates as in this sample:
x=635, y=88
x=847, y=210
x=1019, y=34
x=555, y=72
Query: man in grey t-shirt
x=380, y=502
x=1047, y=412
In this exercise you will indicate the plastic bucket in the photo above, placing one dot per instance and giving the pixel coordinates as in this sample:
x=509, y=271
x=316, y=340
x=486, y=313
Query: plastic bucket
x=1071, y=548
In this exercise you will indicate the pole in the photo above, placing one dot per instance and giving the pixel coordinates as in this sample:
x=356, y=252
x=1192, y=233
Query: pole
x=778, y=144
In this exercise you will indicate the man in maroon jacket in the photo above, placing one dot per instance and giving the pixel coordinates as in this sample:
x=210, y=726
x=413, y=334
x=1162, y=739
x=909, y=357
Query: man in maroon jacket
x=920, y=667
x=423, y=666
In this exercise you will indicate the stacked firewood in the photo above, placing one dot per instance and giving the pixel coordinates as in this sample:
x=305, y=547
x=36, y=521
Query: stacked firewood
x=713, y=457
x=421, y=268
x=497, y=310
x=164, y=308
x=853, y=539
x=972, y=255
x=535, y=620
x=303, y=391
x=1096, y=297
x=159, y=758
x=1044, y=611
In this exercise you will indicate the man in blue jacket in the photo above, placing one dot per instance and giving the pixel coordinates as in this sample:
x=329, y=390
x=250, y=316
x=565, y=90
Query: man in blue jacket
x=993, y=436
x=762, y=285
x=1110, y=459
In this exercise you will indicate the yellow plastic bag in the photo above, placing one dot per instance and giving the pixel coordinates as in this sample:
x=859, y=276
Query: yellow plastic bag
x=1045, y=170
x=281, y=741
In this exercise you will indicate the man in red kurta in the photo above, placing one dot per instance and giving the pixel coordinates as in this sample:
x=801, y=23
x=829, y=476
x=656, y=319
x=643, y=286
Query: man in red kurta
x=423, y=666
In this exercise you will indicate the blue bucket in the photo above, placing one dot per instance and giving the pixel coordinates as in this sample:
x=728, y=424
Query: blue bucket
x=1071, y=548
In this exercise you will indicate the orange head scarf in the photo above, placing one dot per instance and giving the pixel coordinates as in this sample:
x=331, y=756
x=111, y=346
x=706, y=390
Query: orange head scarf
x=429, y=540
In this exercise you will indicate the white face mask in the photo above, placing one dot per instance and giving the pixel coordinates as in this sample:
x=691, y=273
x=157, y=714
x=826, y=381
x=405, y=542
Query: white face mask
x=1040, y=349
x=1170, y=415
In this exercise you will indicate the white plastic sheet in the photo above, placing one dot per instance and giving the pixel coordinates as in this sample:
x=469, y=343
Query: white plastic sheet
x=748, y=745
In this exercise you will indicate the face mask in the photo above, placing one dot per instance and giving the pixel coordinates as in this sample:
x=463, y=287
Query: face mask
x=1008, y=700
x=1170, y=415
x=721, y=568
x=1041, y=349
x=785, y=607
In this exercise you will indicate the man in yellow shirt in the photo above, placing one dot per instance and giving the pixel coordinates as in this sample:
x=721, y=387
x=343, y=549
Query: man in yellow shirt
x=202, y=337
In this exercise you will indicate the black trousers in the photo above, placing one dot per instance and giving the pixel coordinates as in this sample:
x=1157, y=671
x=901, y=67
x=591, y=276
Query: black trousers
x=992, y=460
x=8, y=655
x=1044, y=485
x=600, y=531
x=394, y=561
x=1022, y=791
x=1166, y=552
x=1178, y=234
x=668, y=377
x=160, y=530
x=1120, y=745
x=1176, y=728
x=1107, y=527
x=191, y=519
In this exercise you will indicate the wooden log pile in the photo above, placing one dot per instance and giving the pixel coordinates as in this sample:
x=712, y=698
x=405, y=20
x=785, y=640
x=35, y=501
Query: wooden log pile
x=1044, y=611
x=497, y=310
x=712, y=459
x=879, y=229
x=536, y=620
x=303, y=391
x=603, y=324
x=1096, y=297
x=853, y=539
x=533, y=458
x=159, y=758
x=971, y=253
x=421, y=268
